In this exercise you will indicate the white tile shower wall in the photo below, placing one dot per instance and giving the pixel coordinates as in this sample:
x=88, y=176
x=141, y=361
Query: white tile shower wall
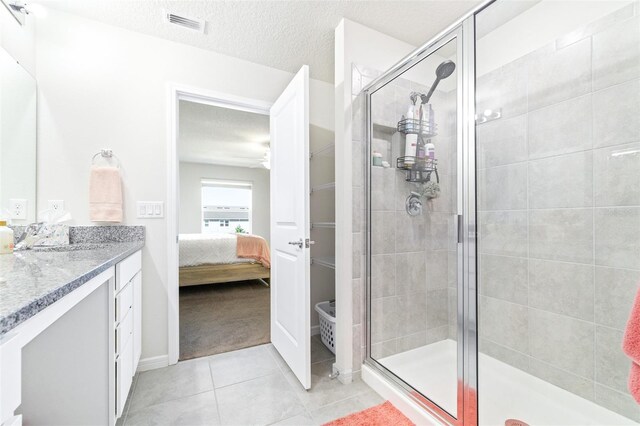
x=559, y=210
x=411, y=297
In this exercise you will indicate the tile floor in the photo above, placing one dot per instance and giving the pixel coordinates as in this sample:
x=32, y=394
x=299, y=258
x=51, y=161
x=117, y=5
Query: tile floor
x=252, y=386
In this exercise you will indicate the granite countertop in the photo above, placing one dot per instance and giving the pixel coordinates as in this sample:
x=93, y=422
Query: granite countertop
x=31, y=280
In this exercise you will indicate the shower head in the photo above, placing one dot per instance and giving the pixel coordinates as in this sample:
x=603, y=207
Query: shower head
x=443, y=71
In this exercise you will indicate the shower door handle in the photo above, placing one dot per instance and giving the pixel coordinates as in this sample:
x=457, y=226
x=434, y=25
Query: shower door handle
x=460, y=229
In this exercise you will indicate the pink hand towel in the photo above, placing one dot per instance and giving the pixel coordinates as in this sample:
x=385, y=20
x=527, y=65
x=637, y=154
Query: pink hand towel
x=631, y=347
x=105, y=194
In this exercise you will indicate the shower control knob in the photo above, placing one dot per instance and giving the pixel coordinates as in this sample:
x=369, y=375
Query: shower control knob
x=413, y=204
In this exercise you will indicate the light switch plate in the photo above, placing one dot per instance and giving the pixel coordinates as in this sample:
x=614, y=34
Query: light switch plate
x=18, y=208
x=150, y=209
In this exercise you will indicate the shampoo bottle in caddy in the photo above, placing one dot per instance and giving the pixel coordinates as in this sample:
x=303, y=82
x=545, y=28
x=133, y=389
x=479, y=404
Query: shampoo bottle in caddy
x=411, y=140
x=410, y=116
x=420, y=149
x=410, y=148
x=430, y=151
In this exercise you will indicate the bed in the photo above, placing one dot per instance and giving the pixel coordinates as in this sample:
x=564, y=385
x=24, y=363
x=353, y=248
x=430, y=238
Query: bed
x=213, y=259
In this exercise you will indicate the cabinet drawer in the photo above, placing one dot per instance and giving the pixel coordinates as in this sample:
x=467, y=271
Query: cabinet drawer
x=124, y=302
x=124, y=377
x=124, y=331
x=126, y=269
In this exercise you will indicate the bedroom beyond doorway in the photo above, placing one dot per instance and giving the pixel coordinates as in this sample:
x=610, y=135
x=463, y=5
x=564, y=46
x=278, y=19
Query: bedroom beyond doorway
x=224, y=230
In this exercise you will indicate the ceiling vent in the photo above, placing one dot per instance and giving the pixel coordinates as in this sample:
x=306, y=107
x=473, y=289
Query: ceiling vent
x=196, y=25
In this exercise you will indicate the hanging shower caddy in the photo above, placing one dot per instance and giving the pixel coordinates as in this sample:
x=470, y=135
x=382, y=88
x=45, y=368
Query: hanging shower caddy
x=418, y=170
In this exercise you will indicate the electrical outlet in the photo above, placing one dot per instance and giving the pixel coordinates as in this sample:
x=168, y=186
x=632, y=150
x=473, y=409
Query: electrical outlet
x=56, y=205
x=18, y=208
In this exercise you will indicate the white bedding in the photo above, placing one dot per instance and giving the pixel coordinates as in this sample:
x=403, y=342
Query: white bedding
x=208, y=249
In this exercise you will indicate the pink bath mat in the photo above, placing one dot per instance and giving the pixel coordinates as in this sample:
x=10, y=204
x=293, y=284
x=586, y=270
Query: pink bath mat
x=381, y=415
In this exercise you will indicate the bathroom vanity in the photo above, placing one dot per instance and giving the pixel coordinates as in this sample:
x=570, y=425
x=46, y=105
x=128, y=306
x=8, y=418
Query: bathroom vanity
x=70, y=330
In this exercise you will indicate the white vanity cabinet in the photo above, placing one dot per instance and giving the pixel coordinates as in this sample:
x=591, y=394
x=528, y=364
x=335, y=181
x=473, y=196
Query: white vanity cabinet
x=73, y=362
x=128, y=325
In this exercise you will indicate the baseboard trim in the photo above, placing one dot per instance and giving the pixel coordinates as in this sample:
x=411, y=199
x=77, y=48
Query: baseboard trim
x=315, y=330
x=345, y=376
x=153, y=362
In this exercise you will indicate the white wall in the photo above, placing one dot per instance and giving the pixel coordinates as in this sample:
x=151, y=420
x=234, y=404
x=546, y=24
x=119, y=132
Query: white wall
x=191, y=175
x=105, y=87
x=18, y=40
x=360, y=45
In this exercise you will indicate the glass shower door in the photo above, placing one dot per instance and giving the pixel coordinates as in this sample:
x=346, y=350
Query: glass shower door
x=414, y=204
x=558, y=141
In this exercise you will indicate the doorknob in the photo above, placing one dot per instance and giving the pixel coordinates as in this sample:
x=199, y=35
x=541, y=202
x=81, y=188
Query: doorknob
x=297, y=243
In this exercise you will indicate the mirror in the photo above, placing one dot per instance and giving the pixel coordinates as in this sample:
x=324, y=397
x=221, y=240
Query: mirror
x=17, y=142
x=13, y=7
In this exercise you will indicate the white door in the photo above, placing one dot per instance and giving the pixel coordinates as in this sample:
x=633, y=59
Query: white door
x=290, y=300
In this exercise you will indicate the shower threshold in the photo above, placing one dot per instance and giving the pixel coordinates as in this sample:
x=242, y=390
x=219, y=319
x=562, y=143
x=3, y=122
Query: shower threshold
x=505, y=392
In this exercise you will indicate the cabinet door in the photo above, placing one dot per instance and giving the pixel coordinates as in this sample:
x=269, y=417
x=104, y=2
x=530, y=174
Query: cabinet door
x=124, y=376
x=10, y=375
x=137, y=320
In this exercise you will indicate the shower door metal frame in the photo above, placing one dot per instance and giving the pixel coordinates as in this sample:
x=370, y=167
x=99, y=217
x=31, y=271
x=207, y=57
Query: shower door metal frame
x=467, y=354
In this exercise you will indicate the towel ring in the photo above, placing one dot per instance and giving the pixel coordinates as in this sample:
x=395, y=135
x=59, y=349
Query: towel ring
x=108, y=155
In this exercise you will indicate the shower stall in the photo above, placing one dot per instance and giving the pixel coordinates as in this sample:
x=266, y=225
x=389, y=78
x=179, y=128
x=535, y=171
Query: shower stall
x=502, y=176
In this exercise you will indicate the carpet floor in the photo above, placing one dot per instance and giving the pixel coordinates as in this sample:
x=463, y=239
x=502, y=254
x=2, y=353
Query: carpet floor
x=219, y=318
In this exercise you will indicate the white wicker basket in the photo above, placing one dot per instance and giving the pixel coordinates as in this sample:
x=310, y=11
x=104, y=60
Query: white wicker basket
x=327, y=312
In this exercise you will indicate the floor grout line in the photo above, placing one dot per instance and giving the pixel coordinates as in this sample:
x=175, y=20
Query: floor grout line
x=215, y=395
x=272, y=373
x=356, y=395
x=172, y=400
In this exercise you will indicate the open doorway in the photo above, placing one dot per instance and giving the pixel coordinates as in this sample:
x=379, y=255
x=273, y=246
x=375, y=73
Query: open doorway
x=224, y=229
x=295, y=188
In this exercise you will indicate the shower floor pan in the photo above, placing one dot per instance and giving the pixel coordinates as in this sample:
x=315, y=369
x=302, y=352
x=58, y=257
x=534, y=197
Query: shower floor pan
x=505, y=392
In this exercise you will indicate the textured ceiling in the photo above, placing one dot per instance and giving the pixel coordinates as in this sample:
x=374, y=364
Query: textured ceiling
x=279, y=34
x=223, y=136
